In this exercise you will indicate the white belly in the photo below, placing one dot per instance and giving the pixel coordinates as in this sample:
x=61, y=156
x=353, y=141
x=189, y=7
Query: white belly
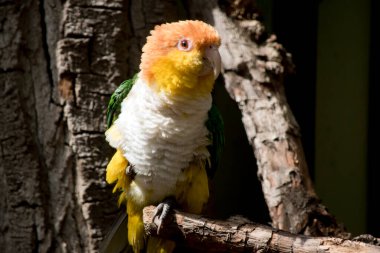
x=160, y=137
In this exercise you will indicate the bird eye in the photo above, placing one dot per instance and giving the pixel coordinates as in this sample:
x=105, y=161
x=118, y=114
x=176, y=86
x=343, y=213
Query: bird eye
x=184, y=45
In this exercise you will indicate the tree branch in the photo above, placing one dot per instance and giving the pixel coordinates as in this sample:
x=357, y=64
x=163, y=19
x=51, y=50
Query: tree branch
x=237, y=234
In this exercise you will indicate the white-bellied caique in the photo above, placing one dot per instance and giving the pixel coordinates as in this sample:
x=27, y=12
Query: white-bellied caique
x=166, y=130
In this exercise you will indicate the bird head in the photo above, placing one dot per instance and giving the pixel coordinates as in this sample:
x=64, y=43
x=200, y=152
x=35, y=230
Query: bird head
x=182, y=58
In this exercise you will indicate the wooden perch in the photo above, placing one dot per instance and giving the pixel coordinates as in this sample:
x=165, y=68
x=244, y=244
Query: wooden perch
x=237, y=234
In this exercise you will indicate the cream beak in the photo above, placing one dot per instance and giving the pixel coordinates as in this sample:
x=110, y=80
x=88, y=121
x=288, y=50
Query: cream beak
x=212, y=61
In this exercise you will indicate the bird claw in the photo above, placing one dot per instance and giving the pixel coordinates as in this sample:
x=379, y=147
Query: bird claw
x=161, y=213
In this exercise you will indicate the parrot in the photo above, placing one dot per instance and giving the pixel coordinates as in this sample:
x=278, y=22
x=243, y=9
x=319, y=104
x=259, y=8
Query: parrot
x=166, y=130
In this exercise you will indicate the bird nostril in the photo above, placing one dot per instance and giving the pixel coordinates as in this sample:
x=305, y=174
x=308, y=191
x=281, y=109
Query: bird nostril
x=206, y=60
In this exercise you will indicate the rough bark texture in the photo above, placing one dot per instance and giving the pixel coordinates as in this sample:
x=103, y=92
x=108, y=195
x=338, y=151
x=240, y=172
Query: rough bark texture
x=59, y=63
x=91, y=61
x=30, y=126
x=254, y=69
x=53, y=152
x=238, y=234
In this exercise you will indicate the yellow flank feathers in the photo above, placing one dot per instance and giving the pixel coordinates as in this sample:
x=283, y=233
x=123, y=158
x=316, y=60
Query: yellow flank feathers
x=175, y=74
x=116, y=172
x=116, y=167
x=193, y=194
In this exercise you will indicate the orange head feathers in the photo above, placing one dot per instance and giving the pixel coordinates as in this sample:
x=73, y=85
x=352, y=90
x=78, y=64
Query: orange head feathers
x=181, y=58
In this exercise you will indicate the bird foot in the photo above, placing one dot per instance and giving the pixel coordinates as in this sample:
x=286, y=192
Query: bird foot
x=161, y=213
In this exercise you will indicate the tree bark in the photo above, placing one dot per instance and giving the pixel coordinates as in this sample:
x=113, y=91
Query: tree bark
x=30, y=127
x=53, y=152
x=237, y=234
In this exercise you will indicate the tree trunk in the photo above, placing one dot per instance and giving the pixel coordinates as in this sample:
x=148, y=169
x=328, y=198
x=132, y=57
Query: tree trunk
x=59, y=63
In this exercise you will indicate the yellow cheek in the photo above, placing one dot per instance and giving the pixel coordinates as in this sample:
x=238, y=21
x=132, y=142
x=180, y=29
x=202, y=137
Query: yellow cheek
x=187, y=62
x=177, y=74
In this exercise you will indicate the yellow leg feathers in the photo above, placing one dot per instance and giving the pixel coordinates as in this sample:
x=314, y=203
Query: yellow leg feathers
x=136, y=232
x=193, y=193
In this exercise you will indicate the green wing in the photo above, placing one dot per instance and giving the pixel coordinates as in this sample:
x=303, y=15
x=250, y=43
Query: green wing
x=215, y=126
x=114, y=106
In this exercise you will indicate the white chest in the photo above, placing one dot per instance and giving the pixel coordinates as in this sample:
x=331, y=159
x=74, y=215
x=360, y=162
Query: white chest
x=160, y=137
